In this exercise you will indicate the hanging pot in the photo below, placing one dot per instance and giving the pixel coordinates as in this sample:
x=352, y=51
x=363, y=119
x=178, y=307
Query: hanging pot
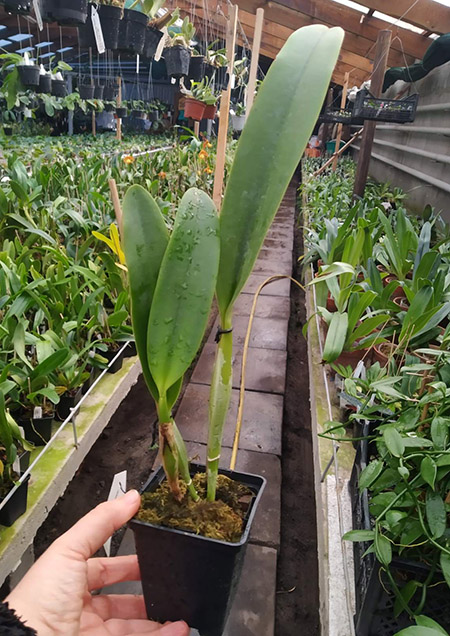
x=201, y=573
x=16, y=505
x=194, y=108
x=18, y=7
x=132, y=31
x=196, y=68
x=221, y=77
x=98, y=91
x=86, y=91
x=110, y=93
x=210, y=111
x=69, y=12
x=152, y=115
x=59, y=88
x=86, y=36
x=7, y=130
x=209, y=70
x=121, y=112
x=29, y=74
x=45, y=84
x=237, y=122
x=110, y=108
x=139, y=114
x=152, y=39
x=47, y=7
x=177, y=60
x=110, y=18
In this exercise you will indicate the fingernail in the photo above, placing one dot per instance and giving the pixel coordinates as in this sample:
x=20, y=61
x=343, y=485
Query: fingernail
x=131, y=497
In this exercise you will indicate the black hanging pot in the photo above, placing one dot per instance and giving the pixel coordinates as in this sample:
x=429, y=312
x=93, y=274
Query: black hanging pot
x=110, y=18
x=221, y=78
x=69, y=12
x=16, y=505
x=196, y=68
x=86, y=36
x=29, y=74
x=86, y=91
x=8, y=131
x=18, y=7
x=132, y=31
x=121, y=112
x=139, y=114
x=200, y=573
x=152, y=115
x=177, y=60
x=59, y=88
x=152, y=39
x=98, y=91
x=47, y=7
x=37, y=430
x=209, y=70
x=110, y=108
x=110, y=93
x=45, y=84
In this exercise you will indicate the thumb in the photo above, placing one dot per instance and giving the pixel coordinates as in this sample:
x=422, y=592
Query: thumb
x=174, y=629
x=91, y=532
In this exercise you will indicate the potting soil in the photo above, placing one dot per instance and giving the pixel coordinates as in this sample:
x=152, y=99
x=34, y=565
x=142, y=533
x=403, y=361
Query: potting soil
x=221, y=519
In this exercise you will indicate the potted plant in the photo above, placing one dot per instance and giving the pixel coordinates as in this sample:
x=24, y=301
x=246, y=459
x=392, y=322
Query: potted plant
x=45, y=81
x=177, y=53
x=65, y=12
x=132, y=30
x=59, y=88
x=194, y=106
x=238, y=117
x=196, y=66
x=98, y=90
x=110, y=13
x=11, y=441
x=86, y=90
x=22, y=73
x=216, y=65
x=137, y=108
x=110, y=92
x=172, y=281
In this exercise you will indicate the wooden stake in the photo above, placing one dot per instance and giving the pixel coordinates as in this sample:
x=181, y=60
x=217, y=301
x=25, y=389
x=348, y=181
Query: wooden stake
x=224, y=109
x=339, y=130
x=119, y=104
x=376, y=85
x=337, y=153
x=255, y=60
x=94, y=131
x=196, y=128
x=116, y=204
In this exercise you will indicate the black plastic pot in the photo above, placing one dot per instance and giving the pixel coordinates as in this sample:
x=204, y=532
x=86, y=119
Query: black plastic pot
x=47, y=7
x=16, y=505
x=117, y=364
x=110, y=93
x=177, y=60
x=196, y=68
x=69, y=12
x=131, y=350
x=18, y=7
x=94, y=373
x=132, y=31
x=110, y=108
x=37, y=431
x=221, y=78
x=59, y=88
x=29, y=75
x=139, y=114
x=189, y=577
x=45, y=84
x=86, y=36
x=66, y=403
x=98, y=91
x=152, y=115
x=209, y=70
x=121, y=112
x=86, y=91
x=110, y=18
x=152, y=39
x=24, y=460
x=8, y=130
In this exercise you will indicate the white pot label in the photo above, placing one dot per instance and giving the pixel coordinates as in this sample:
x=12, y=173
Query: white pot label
x=37, y=13
x=160, y=47
x=98, y=33
x=118, y=488
x=16, y=466
x=137, y=64
x=37, y=413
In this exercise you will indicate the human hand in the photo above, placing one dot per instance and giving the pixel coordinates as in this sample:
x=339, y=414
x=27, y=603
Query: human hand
x=54, y=596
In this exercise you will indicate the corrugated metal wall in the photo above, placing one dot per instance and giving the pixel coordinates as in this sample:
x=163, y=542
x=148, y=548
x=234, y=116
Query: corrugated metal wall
x=416, y=157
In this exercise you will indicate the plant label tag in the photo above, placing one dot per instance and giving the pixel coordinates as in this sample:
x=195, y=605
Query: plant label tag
x=37, y=13
x=16, y=466
x=233, y=81
x=160, y=47
x=98, y=33
x=37, y=413
x=137, y=64
x=118, y=488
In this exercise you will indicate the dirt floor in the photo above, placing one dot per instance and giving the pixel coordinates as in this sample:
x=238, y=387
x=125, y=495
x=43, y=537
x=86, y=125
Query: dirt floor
x=297, y=602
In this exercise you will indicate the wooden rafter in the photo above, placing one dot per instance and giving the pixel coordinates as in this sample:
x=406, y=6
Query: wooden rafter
x=426, y=14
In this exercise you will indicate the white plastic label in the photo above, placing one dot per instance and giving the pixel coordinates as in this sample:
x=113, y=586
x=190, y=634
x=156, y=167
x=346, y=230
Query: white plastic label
x=118, y=488
x=37, y=413
x=98, y=33
x=162, y=42
x=137, y=64
x=37, y=13
x=16, y=466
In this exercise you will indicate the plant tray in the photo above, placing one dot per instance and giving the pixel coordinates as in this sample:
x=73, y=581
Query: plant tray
x=374, y=603
x=336, y=116
x=398, y=111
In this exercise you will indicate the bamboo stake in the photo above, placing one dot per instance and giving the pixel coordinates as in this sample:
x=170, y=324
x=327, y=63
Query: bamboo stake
x=94, y=130
x=224, y=110
x=255, y=59
x=196, y=128
x=339, y=130
x=119, y=104
x=337, y=153
x=116, y=204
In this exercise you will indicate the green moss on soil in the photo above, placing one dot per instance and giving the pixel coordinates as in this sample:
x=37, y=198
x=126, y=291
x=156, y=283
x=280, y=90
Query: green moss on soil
x=222, y=519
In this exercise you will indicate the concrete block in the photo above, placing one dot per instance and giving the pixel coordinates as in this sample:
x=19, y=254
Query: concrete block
x=266, y=369
x=266, y=307
x=261, y=423
x=273, y=267
x=266, y=333
x=277, y=288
